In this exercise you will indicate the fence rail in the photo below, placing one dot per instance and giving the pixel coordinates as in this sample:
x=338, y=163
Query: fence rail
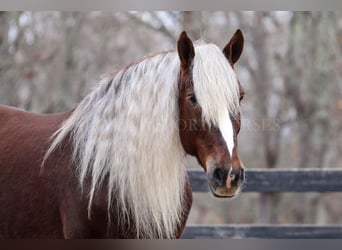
x=263, y=231
x=280, y=180
x=273, y=180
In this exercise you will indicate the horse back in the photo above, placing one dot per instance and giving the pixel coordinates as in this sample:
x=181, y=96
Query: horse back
x=25, y=136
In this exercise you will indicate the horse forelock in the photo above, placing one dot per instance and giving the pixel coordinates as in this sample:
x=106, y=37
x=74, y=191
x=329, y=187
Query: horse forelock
x=215, y=84
x=126, y=129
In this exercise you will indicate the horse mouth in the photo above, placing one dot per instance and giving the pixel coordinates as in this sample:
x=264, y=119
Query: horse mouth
x=229, y=187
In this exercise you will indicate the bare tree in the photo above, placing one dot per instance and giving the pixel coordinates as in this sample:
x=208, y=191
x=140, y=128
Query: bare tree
x=309, y=84
x=8, y=72
x=192, y=23
x=266, y=112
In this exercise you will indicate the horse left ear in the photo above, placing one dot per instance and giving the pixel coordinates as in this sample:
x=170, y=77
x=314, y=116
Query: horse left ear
x=234, y=48
x=186, y=51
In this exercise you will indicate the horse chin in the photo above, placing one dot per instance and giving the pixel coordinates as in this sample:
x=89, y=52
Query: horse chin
x=224, y=192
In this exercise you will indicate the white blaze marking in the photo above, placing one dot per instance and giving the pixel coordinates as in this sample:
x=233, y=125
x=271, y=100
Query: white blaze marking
x=226, y=128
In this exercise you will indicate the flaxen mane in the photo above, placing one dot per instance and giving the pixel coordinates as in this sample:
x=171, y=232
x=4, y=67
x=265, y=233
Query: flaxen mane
x=126, y=129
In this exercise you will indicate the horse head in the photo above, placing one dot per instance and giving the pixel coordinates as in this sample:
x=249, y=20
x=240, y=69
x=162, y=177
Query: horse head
x=213, y=140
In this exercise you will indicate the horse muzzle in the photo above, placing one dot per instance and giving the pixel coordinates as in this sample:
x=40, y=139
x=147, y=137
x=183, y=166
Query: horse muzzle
x=225, y=182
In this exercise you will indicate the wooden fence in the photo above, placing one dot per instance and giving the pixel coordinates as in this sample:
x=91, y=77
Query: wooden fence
x=273, y=180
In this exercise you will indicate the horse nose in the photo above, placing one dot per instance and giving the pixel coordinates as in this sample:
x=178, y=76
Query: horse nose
x=220, y=176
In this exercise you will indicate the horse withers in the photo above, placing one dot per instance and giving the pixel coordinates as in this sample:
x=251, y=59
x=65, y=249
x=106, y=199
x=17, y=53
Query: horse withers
x=114, y=166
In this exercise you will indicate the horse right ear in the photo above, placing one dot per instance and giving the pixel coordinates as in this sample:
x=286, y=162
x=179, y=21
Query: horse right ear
x=186, y=51
x=234, y=48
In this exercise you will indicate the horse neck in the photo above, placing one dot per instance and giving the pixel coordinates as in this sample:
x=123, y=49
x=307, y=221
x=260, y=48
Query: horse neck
x=126, y=131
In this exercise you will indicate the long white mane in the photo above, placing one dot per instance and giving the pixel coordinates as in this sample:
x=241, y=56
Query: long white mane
x=126, y=129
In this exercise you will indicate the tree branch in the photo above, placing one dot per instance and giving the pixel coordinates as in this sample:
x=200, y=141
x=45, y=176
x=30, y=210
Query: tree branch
x=161, y=27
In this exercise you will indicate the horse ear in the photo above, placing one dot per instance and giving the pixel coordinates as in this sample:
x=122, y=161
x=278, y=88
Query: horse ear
x=234, y=48
x=186, y=50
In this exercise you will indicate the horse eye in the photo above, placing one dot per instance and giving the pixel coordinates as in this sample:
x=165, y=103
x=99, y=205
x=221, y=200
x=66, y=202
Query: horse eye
x=241, y=97
x=193, y=100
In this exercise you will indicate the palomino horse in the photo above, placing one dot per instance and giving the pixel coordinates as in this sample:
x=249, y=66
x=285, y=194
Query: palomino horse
x=113, y=167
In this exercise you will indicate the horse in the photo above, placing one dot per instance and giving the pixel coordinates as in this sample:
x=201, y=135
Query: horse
x=114, y=165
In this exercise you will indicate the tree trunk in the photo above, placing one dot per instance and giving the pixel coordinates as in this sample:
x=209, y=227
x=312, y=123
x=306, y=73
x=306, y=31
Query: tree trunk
x=71, y=23
x=309, y=84
x=268, y=202
x=192, y=24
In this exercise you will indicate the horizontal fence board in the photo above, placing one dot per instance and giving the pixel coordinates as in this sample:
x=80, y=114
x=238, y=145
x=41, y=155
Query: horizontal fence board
x=263, y=231
x=279, y=180
x=272, y=180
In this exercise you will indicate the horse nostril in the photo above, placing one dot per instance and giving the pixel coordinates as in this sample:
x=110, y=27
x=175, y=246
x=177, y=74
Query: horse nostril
x=219, y=176
x=242, y=174
x=237, y=176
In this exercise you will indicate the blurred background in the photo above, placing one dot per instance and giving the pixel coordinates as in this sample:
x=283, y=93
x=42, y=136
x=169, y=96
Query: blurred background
x=291, y=70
